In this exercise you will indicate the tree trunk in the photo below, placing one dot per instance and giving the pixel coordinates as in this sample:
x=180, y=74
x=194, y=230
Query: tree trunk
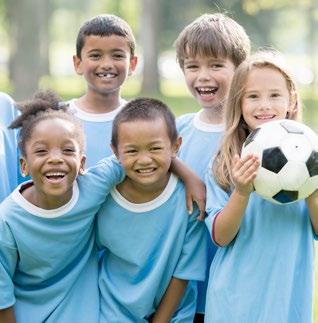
x=28, y=27
x=149, y=36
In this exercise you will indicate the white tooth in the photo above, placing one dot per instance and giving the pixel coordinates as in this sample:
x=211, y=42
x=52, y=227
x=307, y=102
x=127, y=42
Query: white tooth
x=145, y=170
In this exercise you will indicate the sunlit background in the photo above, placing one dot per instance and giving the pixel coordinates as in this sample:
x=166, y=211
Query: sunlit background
x=37, y=41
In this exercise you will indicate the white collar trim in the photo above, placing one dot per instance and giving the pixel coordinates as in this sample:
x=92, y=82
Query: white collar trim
x=44, y=213
x=207, y=127
x=148, y=206
x=95, y=117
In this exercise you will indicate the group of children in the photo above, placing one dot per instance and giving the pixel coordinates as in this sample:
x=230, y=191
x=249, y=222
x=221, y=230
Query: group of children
x=250, y=261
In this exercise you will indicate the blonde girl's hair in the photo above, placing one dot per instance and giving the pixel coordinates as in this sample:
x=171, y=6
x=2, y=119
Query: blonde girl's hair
x=236, y=130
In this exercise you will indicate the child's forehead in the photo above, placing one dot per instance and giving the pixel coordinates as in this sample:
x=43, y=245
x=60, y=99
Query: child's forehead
x=153, y=127
x=106, y=41
x=205, y=56
x=55, y=124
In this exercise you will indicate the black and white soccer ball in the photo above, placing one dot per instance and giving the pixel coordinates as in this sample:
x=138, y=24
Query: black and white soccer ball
x=288, y=153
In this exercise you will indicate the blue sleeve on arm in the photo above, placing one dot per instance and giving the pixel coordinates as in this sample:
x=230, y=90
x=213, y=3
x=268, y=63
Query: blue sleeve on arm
x=8, y=263
x=192, y=262
x=216, y=199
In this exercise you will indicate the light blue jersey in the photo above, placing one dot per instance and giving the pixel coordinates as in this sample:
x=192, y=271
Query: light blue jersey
x=98, y=132
x=48, y=258
x=5, y=163
x=146, y=245
x=8, y=110
x=9, y=157
x=200, y=142
x=266, y=273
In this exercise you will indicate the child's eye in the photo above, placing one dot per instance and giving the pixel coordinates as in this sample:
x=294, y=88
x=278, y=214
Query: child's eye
x=156, y=148
x=252, y=96
x=119, y=56
x=217, y=66
x=40, y=151
x=130, y=151
x=275, y=95
x=191, y=67
x=69, y=150
x=94, y=56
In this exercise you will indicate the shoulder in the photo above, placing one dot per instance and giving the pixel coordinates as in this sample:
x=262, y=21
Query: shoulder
x=8, y=110
x=185, y=121
x=9, y=207
x=185, y=118
x=5, y=98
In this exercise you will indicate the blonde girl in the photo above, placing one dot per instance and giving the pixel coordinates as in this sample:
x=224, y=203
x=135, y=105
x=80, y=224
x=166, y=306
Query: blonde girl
x=263, y=270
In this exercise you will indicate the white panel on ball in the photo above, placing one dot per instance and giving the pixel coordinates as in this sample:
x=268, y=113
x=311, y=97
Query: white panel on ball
x=293, y=175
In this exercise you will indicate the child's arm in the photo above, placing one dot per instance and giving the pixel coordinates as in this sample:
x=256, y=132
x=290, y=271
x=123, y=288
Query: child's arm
x=170, y=300
x=312, y=203
x=228, y=221
x=7, y=315
x=195, y=188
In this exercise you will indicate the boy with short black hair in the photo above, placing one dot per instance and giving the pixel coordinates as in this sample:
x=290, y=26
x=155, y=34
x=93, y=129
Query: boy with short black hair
x=152, y=246
x=105, y=56
x=208, y=51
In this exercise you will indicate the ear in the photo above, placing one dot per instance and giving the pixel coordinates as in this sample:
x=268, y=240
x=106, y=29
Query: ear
x=77, y=62
x=132, y=64
x=115, y=151
x=176, y=146
x=24, y=167
x=81, y=170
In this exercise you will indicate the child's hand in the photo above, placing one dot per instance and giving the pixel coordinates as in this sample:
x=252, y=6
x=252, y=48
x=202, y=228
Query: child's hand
x=196, y=193
x=244, y=172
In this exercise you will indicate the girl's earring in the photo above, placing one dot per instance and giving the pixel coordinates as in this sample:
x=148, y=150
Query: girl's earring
x=81, y=171
x=24, y=174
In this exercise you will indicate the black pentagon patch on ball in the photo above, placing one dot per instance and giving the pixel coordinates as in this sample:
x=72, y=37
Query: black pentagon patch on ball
x=251, y=136
x=284, y=196
x=291, y=128
x=312, y=164
x=273, y=159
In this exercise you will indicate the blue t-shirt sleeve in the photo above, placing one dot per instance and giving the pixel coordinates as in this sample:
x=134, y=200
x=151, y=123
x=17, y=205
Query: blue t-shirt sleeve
x=8, y=262
x=102, y=177
x=192, y=262
x=216, y=199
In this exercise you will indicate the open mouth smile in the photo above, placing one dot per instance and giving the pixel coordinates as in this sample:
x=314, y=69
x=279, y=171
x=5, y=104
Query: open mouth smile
x=55, y=177
x=265, y=117
x=106, y=75
x=206, y=91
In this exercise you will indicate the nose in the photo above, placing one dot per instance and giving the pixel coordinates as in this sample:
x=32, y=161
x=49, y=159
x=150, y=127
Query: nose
x=144, y=158
x=55, y=157
x=107, y=62
x=265, y=104
x=204, y=75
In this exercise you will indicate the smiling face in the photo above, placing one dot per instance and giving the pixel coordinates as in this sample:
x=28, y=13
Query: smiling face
x=145, y=151
x=105, y=63
x=266, y=97
x=208, y=79
x=53, y=159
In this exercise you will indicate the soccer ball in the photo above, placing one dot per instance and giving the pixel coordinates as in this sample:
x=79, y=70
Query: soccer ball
x=288, y=153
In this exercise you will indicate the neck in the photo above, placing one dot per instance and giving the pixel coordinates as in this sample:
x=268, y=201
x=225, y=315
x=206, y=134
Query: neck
x=212, y=116
x=97, y=103
x=137, y=193
x=44, y=202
